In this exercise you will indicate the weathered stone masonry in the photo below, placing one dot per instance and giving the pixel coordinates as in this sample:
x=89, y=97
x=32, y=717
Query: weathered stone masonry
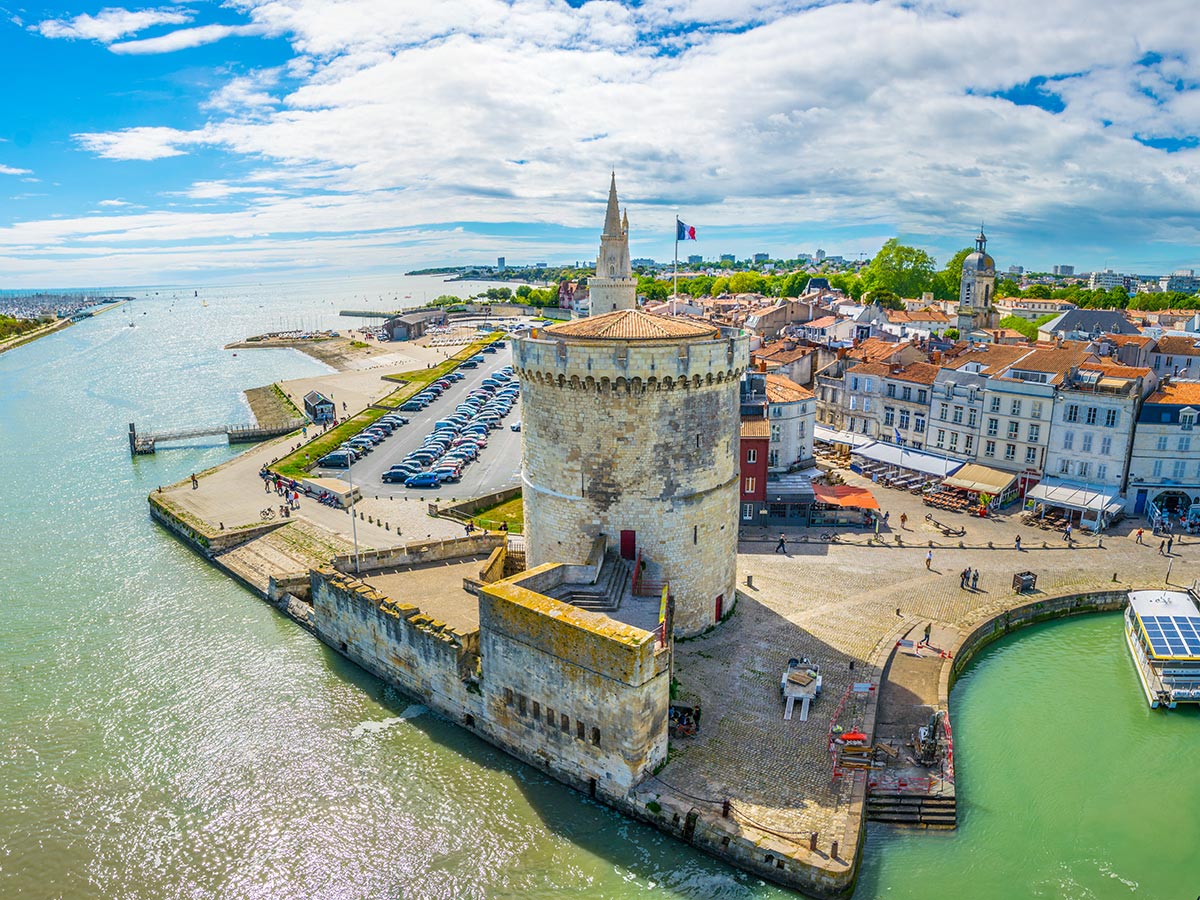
x=636, y=436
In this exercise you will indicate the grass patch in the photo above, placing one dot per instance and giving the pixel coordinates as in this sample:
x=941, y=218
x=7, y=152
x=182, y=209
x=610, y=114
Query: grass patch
x=286, y=402
x=511, y=512
x=358, y=345
x=297, y=463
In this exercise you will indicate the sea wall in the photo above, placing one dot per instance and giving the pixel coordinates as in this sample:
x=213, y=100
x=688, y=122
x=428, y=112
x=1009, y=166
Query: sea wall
x=1022, y=616
x=398, y=643
x=202, y=538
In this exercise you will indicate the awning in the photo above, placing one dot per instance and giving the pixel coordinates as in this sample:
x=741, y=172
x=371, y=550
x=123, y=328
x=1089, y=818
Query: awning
x=844, y=495
x=827, y=435
x=905, y=458
x=1053, y=492
x=981, y=479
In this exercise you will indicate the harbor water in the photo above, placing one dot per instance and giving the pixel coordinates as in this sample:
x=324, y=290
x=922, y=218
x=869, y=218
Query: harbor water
x=164, y=734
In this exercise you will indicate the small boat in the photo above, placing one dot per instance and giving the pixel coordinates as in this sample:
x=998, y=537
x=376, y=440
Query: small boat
x=1162, y=631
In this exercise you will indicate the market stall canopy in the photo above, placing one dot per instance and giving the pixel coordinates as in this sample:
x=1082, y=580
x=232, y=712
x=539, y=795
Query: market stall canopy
x=844, y=495
x=1053, y=492
x=981, y=479
x=906, y=458
x=827, y=435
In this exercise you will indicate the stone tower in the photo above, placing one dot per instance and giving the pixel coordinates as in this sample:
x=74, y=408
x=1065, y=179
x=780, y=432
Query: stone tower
x=630, y=425
x=613, y=286
x=975, y=293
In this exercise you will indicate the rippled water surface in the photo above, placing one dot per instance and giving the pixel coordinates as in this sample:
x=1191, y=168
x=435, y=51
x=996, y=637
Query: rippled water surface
x=163, y=734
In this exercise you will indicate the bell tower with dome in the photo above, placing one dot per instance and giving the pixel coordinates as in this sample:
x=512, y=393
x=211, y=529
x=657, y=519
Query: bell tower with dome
x=975, y=293
x=613, y=286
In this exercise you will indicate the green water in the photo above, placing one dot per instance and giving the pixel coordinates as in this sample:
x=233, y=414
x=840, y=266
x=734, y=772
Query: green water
x=163, y=734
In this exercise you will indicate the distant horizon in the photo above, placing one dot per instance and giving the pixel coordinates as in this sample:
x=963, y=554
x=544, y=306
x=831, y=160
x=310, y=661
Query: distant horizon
x=260, y=140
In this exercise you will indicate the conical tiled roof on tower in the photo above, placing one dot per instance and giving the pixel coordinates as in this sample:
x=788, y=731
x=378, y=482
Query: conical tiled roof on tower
x=612, y=218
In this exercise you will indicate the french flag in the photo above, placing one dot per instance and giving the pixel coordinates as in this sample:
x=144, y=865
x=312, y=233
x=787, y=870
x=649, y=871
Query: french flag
x=684, y=232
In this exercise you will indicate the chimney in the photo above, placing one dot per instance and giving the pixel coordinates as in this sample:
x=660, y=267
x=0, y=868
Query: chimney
x=937, y=357
x=762, y=366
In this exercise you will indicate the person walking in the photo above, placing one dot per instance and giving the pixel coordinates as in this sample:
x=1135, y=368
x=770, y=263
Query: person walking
x=781, y=547
x=886, y=516
x=903, y=519
x=195, y=483
x=1161, y=545
x=1170, y=543
x=975, y=580
x=962, y=578
x=1067, y=533
x=929, y=560
x=928, y=631
x=1140, y=532
x=1017, y=542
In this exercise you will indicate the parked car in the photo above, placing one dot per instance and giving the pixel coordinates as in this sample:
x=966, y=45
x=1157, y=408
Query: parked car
x=412, y=406
x=490, y=348
x=391, y=477
x=423, y=479
x=337, y=459
x=468, y=364
x=516, y=426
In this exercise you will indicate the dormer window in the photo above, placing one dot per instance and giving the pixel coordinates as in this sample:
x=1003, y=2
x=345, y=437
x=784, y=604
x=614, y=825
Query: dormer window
x=1187, y=418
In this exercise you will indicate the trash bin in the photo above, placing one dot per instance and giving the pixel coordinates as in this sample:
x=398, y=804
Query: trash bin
x=1023, y=582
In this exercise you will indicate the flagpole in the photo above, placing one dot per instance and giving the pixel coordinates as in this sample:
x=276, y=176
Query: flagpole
x=676, y=297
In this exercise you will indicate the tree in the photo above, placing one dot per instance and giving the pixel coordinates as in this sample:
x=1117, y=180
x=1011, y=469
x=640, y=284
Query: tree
x=948, y=282
x=1037, y=292
x=524, y=291
x=886, y=299
x=905, y=271
x=501, y=293
x=746, y=283
x=950, y=334
x=720, y=286
x=1007, y=287
x=793, y=285
x=1017, y=323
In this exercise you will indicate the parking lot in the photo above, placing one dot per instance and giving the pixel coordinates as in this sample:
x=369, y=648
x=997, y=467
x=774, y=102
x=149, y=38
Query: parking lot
x=497, y=466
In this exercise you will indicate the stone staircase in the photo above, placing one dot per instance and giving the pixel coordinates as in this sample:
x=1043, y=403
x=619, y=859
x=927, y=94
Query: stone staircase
x=605, y=595
x=913, y=810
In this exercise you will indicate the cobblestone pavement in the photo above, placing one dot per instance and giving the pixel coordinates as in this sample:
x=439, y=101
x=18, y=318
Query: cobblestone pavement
x=835, y=603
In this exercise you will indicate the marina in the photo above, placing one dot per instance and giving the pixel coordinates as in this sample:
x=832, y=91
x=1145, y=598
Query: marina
x=1162, y=630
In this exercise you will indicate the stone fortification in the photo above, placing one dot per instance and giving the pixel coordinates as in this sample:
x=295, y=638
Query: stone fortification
x=631, y=425
x=584, y=696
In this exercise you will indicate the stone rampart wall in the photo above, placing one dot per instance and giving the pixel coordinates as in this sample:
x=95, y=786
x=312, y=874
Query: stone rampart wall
x=398, y=643
x=582, y=696
x=421, y=552
x=202, y=538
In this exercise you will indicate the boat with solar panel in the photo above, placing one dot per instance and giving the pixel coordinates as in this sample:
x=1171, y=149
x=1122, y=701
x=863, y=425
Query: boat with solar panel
x=1162, y=629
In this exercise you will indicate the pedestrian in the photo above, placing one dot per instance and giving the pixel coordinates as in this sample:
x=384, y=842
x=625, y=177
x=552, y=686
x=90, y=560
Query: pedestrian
x=928, y=631
x=781, y=547
x=903, y=519
x=1161, y=545
x=975, y=580
x=1170, y=543
x=1067, y=533
x=962, y=578
x=1140, y=532
x=886, y=516
x=266, y=485
x=1017, y=541
x=928, y=565
x=296, y=498
x=195, y=483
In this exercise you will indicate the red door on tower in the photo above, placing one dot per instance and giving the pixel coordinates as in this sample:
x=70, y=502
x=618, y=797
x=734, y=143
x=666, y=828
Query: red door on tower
x=628, y=544
x=720, y=605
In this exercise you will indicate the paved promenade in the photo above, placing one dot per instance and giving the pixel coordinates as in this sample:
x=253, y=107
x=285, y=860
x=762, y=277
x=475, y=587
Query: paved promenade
x=837, y=604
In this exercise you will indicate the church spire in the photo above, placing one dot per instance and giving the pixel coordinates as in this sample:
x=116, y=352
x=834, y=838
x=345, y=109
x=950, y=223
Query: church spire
x=612, y=218
x=981, y=241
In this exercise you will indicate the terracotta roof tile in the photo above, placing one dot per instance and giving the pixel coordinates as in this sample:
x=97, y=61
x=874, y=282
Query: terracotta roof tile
x=631, y=325
x=1179, y=393
x=917, y=373
x=1178, y=345
x=781, y=389
x=755, y=427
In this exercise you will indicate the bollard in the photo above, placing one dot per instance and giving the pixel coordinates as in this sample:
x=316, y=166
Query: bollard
x=812, y=841
x=222, y=524
x=725, y=808
x=387, y=527
x=749, y=583
x=833, y=851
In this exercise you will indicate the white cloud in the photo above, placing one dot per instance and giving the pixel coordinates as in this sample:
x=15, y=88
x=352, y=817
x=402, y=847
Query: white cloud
x=114, y=203
x=185, y=38
x=112, y=23
x=743, y=112
x=11, y=170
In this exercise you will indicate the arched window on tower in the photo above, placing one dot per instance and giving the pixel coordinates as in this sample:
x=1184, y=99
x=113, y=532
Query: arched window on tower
x=612, y=271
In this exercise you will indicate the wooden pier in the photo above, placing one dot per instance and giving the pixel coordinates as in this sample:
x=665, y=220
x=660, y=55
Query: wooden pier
x=143, y=442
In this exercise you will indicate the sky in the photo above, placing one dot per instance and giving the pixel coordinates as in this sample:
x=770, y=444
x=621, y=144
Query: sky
x=257, y=139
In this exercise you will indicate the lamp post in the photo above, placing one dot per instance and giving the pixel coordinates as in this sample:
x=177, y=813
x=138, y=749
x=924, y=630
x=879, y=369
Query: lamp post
x=350, y=509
